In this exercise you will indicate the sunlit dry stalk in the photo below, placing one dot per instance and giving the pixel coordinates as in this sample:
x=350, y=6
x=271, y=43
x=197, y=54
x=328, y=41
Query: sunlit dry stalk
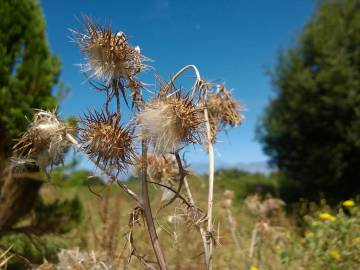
x=147, y=210
x=5, y=257
x=228, y=197
x=203, y=93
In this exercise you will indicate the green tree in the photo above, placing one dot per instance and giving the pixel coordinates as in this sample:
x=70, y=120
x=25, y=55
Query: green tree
x=311, y=128
x=28, y=72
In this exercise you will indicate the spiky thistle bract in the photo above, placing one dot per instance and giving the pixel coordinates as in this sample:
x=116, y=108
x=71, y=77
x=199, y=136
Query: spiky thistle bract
x=109, y=56
x=107, y=142
x=170, y=122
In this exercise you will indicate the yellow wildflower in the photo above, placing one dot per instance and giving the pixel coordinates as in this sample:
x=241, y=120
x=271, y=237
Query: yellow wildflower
x=334, y=254
x=349, y=203
x=253, y=268
x=327, y=216
x=357, y=240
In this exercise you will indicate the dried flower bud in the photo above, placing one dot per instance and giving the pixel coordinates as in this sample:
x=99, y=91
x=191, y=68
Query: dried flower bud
x=229, y=194
x=44, y=142
x=106, y=141
x=223, y=110
x=170, y=122
x=264, y=208
x=226, y=203
x=109, y=56
x=161, y=169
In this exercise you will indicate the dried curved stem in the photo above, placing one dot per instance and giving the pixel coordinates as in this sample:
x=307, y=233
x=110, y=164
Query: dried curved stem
x=197, y=73
x=188, y=204
x=209, y=240
x=147, y=210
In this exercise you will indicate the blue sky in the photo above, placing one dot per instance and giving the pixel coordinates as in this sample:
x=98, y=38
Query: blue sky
x=234, y=41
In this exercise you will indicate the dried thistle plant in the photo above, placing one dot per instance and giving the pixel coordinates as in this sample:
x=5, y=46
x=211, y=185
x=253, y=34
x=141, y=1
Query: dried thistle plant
x=223, y=110
x=170, y=122
x=5, y=257
x=263, y=208
x=45, y=140
x=78, y=260
x=228, y=197
x=109, y=56
x=107, y=142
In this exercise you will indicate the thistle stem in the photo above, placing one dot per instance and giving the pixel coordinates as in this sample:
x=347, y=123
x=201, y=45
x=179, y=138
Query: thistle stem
x=117, y=96
x=201, y=229
x=211, y=191
x=208, y=236
x=197, y=73
x=147, y=210
x=253, y=241
x=233, y=229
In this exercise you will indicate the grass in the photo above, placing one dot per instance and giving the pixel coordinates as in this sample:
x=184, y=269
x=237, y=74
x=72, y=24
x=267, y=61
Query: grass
x=279, y=243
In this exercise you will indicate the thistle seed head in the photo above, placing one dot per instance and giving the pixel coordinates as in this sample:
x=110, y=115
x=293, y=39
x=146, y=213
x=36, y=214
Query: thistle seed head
x=171, y=122
x=109, y=56
x=229, y=194
x=45, y=140
x=161, y=169
x=223, y=110
x=104, y=140
x=264, y=208
x=226, y=203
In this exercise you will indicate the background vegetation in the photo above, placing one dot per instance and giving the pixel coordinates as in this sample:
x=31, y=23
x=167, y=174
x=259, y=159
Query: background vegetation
x=310, y=130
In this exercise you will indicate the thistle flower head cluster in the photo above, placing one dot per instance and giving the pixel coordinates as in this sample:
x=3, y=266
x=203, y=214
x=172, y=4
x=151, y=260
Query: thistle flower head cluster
x=45, y=141
x=170, y=122
x=161, y=169
x=223, y=110
x=109, y=55
x=105, y=141
x=228, y=197
x=263, y=208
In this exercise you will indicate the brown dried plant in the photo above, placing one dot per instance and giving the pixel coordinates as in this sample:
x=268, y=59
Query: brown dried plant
x=263, y=209
x=161, y=169
x=109, y=56
x=170, y=122
x=45, y=140
x=223, y=110
x=107, y=142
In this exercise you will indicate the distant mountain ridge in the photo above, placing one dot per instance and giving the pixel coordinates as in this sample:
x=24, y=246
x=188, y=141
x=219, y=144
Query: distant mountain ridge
x=252, y=167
